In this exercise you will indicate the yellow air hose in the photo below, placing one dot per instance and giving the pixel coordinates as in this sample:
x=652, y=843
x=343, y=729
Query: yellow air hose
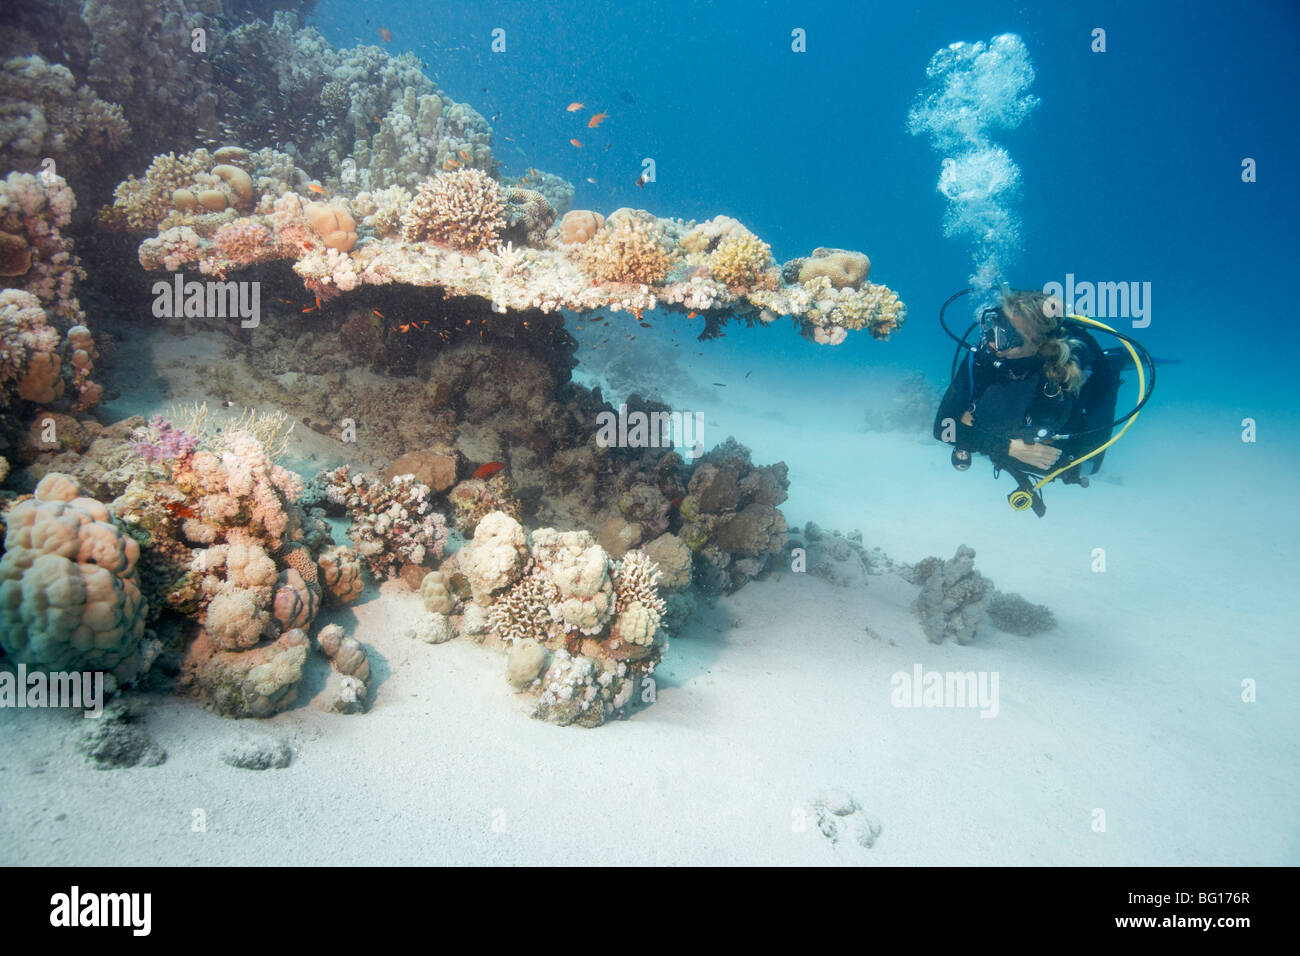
x=1142, y=391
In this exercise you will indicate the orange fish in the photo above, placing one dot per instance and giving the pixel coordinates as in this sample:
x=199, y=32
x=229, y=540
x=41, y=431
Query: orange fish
x=377, y=312
x=677, y=502
x=596, y=120
x=488, y=470
x=316, y=189
x=178, y=510
x=576, y=143
x=693, y=315
x=465, y=156
x=574, y=107
x=451, y=164
x=385, y=35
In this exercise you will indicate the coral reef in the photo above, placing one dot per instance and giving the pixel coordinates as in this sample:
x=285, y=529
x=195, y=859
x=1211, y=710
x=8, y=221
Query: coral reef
x=953, y=596
x=467, y=234
x=33, y=211
x=69, y=592
x=579, y=629
x=393, y=522
x=46, y=115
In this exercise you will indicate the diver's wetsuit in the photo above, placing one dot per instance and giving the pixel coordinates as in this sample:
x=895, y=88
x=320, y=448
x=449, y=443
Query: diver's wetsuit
x=1010, y=399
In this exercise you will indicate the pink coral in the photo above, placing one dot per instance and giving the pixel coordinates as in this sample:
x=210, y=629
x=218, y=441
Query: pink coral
x=244, y=241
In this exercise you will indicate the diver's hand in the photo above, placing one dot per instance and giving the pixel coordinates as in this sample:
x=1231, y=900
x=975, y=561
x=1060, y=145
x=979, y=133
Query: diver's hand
x=1039, y=456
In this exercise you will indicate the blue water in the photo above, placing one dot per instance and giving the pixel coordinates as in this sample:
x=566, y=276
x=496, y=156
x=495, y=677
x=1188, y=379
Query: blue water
x=1130, y=164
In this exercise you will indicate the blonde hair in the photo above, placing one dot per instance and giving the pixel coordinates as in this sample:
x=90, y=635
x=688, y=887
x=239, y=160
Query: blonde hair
x=1042, y=314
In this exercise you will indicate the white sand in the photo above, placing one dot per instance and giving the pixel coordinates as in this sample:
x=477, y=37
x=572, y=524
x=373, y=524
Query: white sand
x=1132, y=705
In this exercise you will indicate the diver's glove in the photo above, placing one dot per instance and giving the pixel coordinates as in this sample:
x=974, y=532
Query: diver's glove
x=960, y=459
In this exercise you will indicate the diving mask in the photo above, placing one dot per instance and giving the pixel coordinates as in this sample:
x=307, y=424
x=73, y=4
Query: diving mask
x=999, y=333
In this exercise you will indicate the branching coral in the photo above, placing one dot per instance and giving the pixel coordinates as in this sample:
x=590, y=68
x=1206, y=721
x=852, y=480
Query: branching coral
x=465, y=210
x=524, y=612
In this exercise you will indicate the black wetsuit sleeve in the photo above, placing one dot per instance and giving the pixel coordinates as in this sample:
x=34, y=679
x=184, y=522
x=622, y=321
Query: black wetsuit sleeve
x=969, y=438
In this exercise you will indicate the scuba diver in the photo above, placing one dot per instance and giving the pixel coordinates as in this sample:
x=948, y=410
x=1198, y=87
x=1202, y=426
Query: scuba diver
x=1037, y=394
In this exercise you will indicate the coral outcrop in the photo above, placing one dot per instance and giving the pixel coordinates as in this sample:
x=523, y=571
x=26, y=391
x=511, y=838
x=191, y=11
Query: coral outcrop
x=33, y=212
x=730, y=517
x=69, y=592
x=953, y=596
x=393, y=522
x=47, y=115
x=581, y=632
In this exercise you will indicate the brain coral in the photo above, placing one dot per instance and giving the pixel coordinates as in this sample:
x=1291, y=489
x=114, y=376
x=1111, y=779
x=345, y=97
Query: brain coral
x=630, y=249
x=465, y=209
x=69, y=597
